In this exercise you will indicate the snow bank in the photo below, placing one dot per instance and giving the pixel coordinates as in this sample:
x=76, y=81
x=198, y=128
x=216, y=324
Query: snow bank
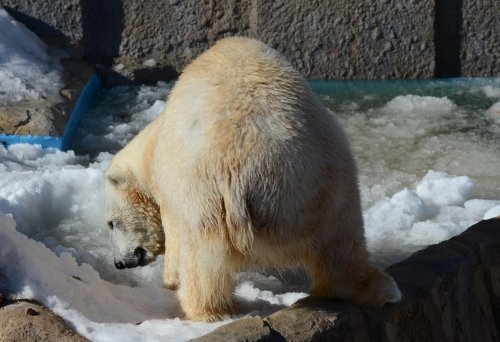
x=27, y=71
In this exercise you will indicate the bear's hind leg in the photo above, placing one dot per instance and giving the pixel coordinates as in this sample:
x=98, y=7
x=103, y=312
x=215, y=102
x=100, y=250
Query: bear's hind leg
x=347, y=274
x=207, y=282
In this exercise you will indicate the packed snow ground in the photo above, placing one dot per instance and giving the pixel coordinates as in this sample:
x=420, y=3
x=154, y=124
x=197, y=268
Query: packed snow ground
x=428, y=156
x=27, y=69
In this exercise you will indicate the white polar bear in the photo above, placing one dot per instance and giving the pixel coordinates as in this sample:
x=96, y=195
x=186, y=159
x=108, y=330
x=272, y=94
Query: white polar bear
x=244, y=169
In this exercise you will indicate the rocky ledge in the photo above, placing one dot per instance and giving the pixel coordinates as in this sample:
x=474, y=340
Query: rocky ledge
x=451, y=292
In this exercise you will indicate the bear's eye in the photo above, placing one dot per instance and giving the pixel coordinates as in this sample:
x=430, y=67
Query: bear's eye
x=113, y=180
x=111, y=225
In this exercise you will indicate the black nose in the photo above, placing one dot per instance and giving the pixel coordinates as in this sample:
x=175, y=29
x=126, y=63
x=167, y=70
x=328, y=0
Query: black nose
x=119, y=265
x=140, y=253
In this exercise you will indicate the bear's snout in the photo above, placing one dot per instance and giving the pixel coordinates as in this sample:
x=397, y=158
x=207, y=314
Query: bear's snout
x=137, y=258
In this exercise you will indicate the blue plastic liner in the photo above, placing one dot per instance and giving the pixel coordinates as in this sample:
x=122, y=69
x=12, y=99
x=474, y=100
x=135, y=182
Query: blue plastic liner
x=83, y=104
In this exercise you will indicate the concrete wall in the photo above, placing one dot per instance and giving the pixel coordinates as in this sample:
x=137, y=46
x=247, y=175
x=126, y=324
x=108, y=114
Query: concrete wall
x=480, y=39
x=324, y=39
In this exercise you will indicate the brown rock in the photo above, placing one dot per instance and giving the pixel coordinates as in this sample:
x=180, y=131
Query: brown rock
x=318, y=319
x=30, y=322
x=35, y=117
x=253, y=329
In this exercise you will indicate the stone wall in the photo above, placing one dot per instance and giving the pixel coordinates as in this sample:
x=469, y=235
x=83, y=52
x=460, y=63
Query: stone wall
x=324, y=39
x=480, y=40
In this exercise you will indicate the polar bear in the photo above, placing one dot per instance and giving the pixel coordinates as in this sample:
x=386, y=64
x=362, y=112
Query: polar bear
x=245, y=169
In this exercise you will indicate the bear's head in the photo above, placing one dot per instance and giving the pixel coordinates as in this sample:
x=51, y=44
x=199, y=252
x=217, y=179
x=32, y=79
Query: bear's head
x=134, y=220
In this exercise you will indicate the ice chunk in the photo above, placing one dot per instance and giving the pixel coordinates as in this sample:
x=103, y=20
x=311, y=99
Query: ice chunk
x=493, y=212
x=409, y=202
x=441, y=190
x=419, y=104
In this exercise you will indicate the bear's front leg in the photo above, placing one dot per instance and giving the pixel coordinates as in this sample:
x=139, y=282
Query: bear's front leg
x=207, y=281
x=171, y=263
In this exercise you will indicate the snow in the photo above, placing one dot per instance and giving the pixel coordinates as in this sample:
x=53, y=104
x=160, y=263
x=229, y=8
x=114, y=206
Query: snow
x=492, y=212
x=415, y=104
x=440, y=190
x=428, y=162
x=27, y=70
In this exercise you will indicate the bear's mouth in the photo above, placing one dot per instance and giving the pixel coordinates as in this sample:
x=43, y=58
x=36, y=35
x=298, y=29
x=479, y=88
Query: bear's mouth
x=137, y=258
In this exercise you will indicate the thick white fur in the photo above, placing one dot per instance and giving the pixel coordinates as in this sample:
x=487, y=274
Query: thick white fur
x=249, y=170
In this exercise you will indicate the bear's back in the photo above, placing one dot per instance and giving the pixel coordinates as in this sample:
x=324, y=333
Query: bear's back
x=243, y=89
x=242, y=118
